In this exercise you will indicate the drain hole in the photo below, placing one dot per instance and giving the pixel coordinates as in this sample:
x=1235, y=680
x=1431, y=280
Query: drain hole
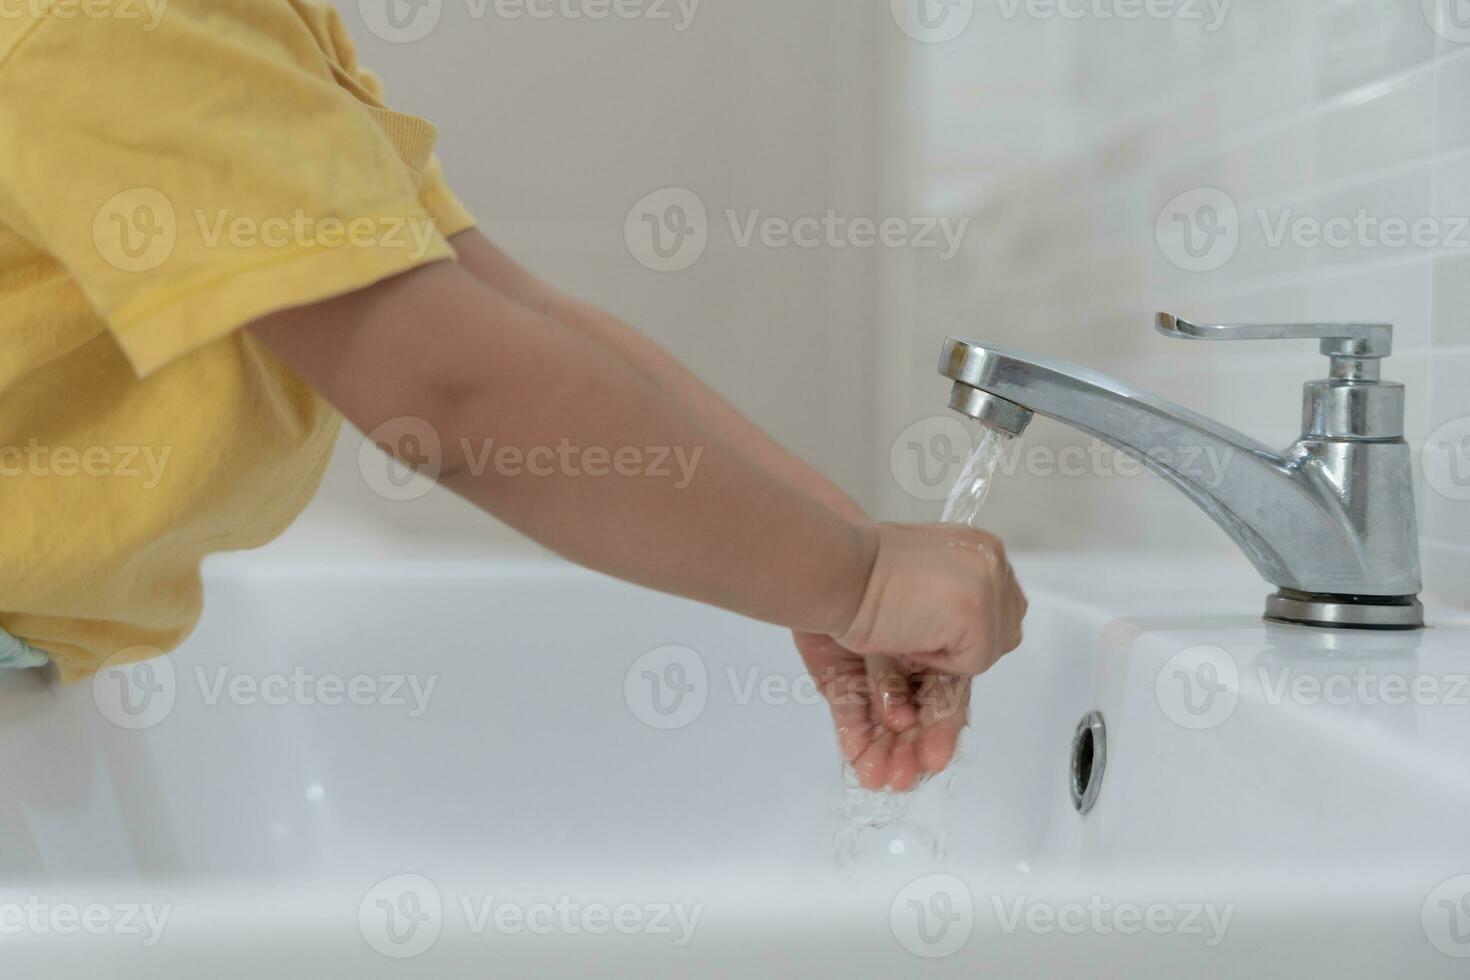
x=1089, y=758
x=1082, y=768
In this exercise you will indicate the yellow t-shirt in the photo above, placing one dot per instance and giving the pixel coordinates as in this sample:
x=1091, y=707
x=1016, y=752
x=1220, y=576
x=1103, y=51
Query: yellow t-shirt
x=162, y=184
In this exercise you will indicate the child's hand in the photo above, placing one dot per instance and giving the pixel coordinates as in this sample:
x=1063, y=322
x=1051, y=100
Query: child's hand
x=941, y=606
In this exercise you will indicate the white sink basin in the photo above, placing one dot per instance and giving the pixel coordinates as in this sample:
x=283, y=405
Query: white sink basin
x=1244, y=825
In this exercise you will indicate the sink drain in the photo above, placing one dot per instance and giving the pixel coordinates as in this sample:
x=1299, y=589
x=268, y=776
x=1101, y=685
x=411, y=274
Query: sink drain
x=1089, y=759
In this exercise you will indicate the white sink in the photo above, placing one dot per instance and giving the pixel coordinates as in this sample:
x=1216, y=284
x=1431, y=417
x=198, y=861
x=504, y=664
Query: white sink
x=1238, y=830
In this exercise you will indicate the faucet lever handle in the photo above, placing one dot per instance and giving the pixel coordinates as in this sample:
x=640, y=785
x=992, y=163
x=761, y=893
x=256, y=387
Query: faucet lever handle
x=1339, y=340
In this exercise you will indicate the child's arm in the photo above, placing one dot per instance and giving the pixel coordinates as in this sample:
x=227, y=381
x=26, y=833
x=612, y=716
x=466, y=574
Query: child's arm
x=436, y=344
x=896, y=702
x=439, y=345
x=489, y=263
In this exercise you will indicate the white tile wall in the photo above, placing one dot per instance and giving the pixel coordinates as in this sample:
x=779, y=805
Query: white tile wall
x=1066, y=138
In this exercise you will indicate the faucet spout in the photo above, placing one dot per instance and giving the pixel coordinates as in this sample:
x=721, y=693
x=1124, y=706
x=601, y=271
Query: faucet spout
x=1330, y=518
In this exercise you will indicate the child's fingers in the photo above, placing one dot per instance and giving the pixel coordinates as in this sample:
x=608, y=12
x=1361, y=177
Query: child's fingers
x=871, y=765
x=843, y=681
x=943, y=699
x=944, y=708
x=904, y=763
x=1016, y=606
x=875, y=710
x=855, y=730
x=937, y=748
x=893, y=694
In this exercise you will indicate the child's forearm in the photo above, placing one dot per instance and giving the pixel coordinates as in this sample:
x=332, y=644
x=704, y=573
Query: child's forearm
x=491, y=265
x=706, y=405
x=711, y=524
x=527, y=410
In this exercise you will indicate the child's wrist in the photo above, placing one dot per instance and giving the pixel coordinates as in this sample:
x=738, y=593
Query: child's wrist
x=852, y=588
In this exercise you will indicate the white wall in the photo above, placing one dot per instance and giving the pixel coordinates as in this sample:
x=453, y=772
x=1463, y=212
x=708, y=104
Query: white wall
x=552, y=129
x=1066, y=139
x=1062, y=138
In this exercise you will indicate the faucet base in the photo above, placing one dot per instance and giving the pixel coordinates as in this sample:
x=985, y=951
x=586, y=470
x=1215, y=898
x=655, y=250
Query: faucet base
x=1345, y=611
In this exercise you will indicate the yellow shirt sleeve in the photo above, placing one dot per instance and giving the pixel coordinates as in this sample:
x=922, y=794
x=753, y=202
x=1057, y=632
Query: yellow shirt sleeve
x=219, y=167
x=447, y=210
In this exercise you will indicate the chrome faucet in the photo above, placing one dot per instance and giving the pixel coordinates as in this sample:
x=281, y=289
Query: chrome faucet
x=1329, y=521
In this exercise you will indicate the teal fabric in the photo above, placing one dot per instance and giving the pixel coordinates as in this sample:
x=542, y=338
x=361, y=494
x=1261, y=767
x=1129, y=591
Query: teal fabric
x=15, y=652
